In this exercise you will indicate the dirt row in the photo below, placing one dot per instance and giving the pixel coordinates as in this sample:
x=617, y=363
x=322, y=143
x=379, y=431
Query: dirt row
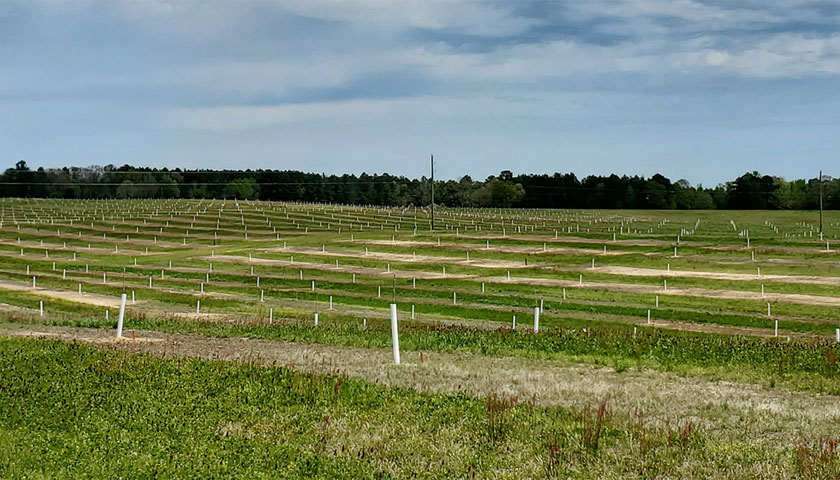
x=650, y=272
x=686, y=292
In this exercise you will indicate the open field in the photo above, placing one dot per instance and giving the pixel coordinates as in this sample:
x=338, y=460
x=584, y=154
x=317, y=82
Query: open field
x=735, y=374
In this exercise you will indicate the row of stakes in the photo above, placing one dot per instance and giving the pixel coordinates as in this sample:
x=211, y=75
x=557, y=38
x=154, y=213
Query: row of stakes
x=394, y=321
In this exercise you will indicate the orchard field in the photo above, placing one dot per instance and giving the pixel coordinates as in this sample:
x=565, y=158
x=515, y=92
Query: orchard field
x=257, y=342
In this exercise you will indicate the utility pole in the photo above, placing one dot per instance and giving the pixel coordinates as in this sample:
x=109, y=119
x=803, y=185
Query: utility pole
x=433, y=192
x=821, y=203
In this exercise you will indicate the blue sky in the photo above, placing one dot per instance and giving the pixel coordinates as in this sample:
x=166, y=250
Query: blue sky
x=701, y=90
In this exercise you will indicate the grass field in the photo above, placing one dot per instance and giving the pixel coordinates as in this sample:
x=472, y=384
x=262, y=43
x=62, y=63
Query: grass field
x=670, y=343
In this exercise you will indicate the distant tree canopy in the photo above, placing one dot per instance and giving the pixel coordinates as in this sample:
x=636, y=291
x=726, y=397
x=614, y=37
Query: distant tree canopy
x=242, y=188
x=751, y=190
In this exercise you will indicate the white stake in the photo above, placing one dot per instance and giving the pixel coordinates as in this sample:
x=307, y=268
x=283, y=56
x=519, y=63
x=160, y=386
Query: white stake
x=121, y=317
x=331, y=304
x=395, y=336
x=648, y=318
x=41, y=306
x=412, y=312
x=514, y=323
x=197, y=307
x=316, y=319
x=776, y=329
x=536, y=319
x=768, y=309
x=270, y=316
x=564, y=293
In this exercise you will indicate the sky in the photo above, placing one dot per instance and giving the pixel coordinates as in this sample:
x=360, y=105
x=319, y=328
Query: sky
x=703, y=90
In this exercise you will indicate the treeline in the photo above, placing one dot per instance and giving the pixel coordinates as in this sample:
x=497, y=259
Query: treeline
x=749, y=191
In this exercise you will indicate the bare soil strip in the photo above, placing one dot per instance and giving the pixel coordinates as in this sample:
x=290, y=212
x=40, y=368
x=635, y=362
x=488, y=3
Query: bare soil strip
x=87, y=298
x=495, y=248
x=325, y=266
x=687, y=292
x=572, y=239
x=406, y=258
x=650, y=272
x=717, y=407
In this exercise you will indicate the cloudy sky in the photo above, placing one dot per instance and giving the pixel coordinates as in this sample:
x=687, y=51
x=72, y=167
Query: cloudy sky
x=697, y=89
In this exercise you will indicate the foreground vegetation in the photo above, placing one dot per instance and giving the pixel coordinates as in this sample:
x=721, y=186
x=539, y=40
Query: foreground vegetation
x=95, y=414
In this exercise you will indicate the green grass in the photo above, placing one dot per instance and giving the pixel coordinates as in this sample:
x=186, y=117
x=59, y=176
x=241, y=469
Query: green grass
x=99, y=414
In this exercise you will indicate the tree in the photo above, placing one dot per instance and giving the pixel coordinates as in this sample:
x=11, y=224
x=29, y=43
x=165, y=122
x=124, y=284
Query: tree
x=125, y=190
x=684, y=195
x=655, y=195
x=752, y=191
x=629, y=197
x=703, y=200
x=169, y=188
x=242, y=188
x=505, y=194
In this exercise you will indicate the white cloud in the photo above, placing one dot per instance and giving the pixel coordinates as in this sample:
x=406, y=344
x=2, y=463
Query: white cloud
x=467, y=16
x=781, y=55
x=716, y=58
x=244, y=117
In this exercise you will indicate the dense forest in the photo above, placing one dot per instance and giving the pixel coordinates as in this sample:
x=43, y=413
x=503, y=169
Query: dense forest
x=560, y=190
